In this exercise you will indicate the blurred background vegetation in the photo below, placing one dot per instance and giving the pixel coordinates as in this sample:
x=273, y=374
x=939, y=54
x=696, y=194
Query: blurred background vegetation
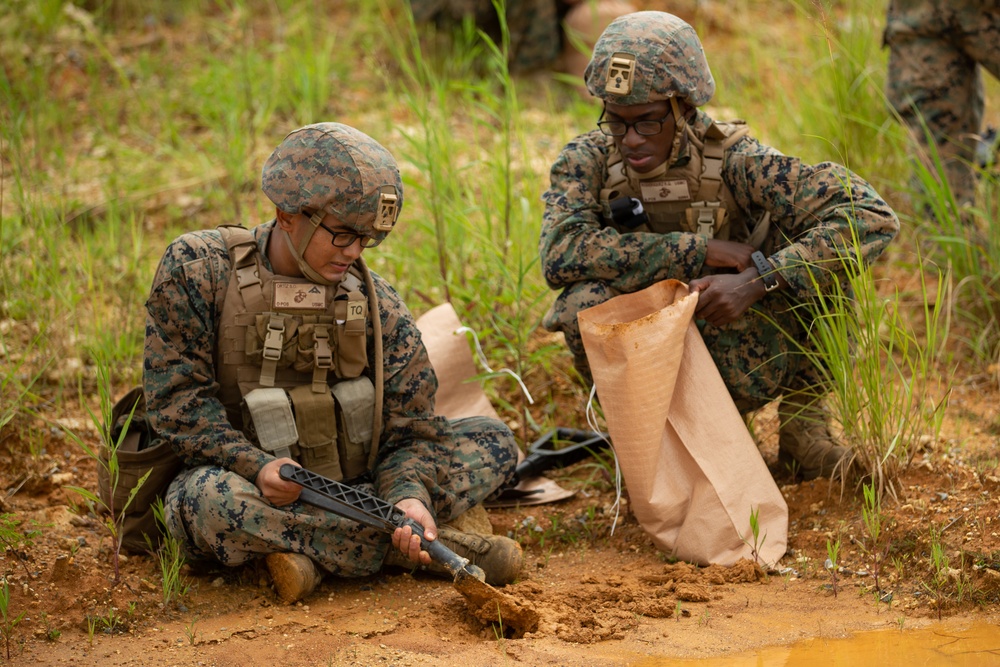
x=124, y=123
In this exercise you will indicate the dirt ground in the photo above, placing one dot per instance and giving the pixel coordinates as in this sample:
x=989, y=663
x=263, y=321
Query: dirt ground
x=600, y=599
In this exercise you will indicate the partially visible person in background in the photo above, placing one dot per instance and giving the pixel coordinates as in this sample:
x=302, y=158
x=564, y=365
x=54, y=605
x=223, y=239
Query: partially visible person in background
x=542, y=32
x=937, y=51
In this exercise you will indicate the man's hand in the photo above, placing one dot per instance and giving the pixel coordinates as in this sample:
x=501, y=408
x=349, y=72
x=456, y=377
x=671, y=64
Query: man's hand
x=728, y=255
x=724, y=298
x=277, y=491
x=404, y=539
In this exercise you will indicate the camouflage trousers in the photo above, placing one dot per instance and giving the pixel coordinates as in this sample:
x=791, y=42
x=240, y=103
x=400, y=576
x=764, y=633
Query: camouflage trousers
x=219, y=515
x=937, y=50
x=533, y=25
x=758, y=355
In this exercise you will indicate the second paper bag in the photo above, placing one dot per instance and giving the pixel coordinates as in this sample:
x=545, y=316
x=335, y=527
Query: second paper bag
x=692, y=470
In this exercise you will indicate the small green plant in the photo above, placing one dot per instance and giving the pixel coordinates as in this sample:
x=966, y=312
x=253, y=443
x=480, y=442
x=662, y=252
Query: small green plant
x=876, y=545
x=833, y=554
x=758, y=540
x=500, y=633
x=13, y=538
x=170, y=557
x=51, y=633
x=556, y=532
x=939, y=571
x=91, y=627
x=110, y=623
x=190, y=632
x=108, y=461
x=8, y=621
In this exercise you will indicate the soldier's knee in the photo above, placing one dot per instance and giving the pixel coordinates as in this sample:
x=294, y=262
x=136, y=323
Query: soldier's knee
x=578, y=296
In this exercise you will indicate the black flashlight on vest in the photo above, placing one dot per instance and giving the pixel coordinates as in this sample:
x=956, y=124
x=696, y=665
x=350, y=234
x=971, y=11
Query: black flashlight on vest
x=627, y=212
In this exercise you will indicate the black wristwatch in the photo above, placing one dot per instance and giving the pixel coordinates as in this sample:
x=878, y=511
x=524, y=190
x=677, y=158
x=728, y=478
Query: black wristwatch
x=765, y=269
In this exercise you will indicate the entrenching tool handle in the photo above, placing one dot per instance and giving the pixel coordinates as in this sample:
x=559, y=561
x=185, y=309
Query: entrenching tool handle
x=439, y=552
x=365, y=508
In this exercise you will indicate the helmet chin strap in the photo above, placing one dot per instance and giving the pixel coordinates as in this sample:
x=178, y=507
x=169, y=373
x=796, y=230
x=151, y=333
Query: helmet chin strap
x=679, y=125
x=297, y=253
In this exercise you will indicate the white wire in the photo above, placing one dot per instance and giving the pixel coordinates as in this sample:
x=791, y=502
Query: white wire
x=485, y=364
x=592, y=422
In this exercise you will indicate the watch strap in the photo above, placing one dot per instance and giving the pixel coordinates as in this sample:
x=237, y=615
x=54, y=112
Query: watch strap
x=765, y=269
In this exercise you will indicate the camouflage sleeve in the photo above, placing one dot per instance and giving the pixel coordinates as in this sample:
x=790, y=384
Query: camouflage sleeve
x=573, y=245
x=178, y=366
x=821, y=214
x=415, y=448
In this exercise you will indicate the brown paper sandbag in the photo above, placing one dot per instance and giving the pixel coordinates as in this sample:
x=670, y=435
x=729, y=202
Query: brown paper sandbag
x=453, y=364
x=692, y=470
x=457, y=397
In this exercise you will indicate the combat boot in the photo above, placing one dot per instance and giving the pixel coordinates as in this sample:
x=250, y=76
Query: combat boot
x=499, y=557
x=295, y=575
x=805, y=443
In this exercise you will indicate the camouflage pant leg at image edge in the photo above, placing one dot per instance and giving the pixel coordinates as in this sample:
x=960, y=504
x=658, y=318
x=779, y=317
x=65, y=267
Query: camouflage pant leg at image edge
x=221, y=516
x=935, y=54
x=533, y=26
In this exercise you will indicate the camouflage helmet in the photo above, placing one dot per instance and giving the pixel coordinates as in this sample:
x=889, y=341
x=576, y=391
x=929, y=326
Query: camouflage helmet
x=334, y=168
x=649, y=56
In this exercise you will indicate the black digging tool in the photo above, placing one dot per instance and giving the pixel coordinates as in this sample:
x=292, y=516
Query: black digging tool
x=348, y=502
x=488, y=603
x=557, y=448
x=560, y=447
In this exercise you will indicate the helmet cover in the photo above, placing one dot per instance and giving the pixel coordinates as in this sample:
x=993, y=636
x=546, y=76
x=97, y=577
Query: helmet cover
x=337, y=169
x=649, y=56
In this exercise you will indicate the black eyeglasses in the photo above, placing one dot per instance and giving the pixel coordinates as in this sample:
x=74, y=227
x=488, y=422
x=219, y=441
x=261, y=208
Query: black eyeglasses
x=619, y=128
x=345, y=239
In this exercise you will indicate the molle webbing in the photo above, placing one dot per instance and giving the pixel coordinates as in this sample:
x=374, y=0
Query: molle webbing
x=706, y=206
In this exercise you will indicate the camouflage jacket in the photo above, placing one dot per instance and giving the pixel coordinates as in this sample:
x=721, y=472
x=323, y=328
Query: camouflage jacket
x=183, y=312
x=815, y=211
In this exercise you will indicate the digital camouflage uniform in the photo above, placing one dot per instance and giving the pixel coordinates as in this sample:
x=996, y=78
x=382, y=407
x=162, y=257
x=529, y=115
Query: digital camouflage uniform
x=534, y=26
x=936, y=51
x=213, y=506
x=815, y=211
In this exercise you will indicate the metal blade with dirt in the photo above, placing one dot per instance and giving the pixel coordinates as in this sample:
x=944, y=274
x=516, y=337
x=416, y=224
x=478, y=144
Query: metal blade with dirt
x=488, y=604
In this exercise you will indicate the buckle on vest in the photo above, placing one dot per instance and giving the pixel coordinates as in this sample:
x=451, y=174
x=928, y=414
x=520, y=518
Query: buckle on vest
x=321, y=349
x=274, y=340
x=707, y=214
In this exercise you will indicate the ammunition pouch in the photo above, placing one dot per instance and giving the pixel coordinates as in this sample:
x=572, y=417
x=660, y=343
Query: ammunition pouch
x=329, y=433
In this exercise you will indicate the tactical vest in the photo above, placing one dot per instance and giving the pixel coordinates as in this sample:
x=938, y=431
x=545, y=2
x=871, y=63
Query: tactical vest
x=290, y=363
x=690, y=197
